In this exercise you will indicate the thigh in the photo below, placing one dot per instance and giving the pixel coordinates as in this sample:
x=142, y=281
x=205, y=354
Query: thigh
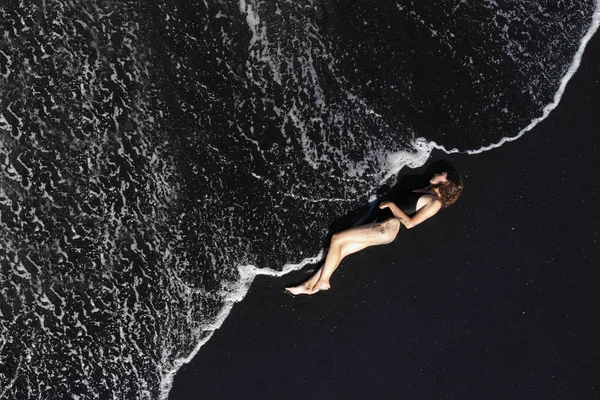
x=351, y=248
x=369, y=235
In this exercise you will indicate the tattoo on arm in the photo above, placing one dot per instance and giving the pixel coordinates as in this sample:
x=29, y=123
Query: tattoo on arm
x=400, y=215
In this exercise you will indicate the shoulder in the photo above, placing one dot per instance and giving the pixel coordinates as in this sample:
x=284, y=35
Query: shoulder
x=429, y=202
x=431, y=198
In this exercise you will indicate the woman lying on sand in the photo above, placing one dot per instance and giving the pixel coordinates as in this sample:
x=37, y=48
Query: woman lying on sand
x=443, y=190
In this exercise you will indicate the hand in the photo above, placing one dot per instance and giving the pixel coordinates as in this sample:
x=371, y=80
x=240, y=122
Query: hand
x=385, y=204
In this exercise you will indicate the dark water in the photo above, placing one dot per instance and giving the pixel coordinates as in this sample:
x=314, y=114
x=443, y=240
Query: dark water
x=150, y=150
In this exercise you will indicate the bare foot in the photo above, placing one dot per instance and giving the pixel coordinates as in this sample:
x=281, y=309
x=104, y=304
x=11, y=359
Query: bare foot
x=305, y=288
x=320, y=286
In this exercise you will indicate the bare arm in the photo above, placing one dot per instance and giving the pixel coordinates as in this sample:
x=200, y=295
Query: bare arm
x=424, y=213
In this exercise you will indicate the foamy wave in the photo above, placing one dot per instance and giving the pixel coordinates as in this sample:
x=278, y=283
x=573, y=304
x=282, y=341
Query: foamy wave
x=233, y=293
x=154, y=161
x=549, y=107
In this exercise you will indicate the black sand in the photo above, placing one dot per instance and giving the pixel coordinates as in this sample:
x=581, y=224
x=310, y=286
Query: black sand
x=495, y=298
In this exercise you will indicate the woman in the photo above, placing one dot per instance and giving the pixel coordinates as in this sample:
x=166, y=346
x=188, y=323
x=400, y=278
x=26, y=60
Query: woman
x=443, y=190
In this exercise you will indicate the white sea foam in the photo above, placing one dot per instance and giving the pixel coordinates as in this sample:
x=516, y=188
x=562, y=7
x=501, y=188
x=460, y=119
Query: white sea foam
x=549, y=107
x=233, y=294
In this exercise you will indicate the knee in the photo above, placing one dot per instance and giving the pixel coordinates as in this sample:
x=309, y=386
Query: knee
x=392, y=228
x=393, y=224
x=335, y=239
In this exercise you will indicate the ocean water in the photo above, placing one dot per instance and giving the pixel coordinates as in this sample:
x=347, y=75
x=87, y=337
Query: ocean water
x=154, y=158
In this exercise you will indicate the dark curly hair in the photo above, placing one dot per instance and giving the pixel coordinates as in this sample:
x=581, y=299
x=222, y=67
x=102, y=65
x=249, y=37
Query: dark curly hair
x=450, y=190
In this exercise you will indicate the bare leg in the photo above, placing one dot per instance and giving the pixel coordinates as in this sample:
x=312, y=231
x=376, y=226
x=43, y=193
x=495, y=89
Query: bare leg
x=343, y=244
x=307, y=287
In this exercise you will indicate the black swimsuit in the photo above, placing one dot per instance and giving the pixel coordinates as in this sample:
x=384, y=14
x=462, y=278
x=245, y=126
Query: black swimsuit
x=407, y=203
